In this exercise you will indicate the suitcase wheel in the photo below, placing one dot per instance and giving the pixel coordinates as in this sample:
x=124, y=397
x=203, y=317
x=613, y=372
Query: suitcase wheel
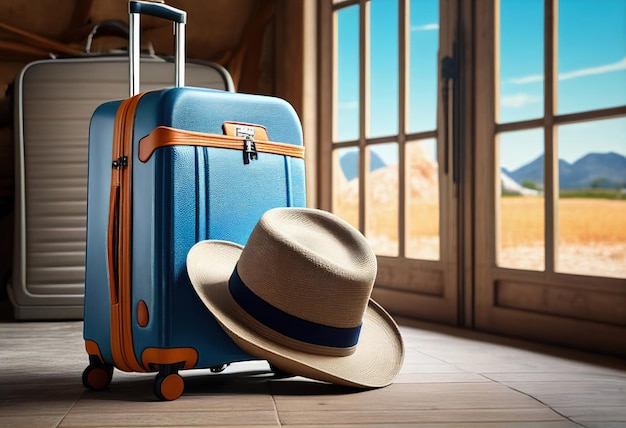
x=97, y=376
x=168, y=385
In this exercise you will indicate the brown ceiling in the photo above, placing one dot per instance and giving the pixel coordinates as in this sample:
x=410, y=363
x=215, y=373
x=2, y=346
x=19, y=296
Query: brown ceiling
x=218, y=30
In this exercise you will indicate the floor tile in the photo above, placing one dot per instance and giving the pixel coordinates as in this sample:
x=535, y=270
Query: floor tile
x=450, y=378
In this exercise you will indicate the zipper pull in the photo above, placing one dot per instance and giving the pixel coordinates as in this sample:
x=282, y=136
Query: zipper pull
x=118, y=164
x=249, y=150
x=121, y=162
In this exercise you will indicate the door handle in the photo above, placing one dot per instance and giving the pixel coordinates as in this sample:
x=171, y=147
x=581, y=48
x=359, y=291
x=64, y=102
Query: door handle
x=450, y=70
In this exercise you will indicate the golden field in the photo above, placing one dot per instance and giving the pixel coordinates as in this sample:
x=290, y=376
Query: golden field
x=591, y=237
x=580, y=221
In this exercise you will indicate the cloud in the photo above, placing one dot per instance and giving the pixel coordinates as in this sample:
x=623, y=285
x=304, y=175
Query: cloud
x=616, y=66
x=527, y=79
x=349, y=105
x=519, y=100
x=426, y=27
x=590, y=71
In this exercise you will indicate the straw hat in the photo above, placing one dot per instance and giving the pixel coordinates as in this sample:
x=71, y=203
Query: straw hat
x=298, y=295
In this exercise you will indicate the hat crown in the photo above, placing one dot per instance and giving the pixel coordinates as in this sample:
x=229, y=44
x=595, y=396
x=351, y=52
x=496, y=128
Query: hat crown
x=311, y=265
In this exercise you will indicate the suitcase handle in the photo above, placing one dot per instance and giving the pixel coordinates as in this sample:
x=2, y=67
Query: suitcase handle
x=160, y=10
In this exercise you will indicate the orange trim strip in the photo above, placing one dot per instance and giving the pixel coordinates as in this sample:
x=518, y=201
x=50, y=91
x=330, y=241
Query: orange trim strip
x=119, y=241
x=169, y=356
x=163, y=136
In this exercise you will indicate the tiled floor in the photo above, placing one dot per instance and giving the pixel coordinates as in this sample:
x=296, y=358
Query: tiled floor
x=451, y=378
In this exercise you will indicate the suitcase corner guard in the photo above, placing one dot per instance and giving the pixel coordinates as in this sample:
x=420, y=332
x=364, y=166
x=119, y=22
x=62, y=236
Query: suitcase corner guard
x=92, y=348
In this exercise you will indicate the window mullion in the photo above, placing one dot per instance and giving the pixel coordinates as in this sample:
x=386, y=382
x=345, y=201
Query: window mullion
x=364, y=117
x=551, y=182
x=403, y=50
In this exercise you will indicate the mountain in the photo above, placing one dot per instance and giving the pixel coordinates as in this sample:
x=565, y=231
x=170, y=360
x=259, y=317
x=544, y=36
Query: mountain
x=599, y=169
x=421, y=183
x=592, y=170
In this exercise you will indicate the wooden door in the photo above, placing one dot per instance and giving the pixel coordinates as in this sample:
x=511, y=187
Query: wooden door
x=386, y=145
x=550, y=172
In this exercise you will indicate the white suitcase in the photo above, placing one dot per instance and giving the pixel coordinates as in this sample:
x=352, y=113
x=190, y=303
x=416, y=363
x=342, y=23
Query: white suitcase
x=54, y=101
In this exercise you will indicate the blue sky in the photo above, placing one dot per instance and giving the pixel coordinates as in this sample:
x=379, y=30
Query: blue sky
x=591, y=73
x=591, y=70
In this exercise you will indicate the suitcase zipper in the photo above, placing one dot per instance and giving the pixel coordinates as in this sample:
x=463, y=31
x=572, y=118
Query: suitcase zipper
x=249, y=147
x=114, y=221
x=249, y=150
x=119, y=245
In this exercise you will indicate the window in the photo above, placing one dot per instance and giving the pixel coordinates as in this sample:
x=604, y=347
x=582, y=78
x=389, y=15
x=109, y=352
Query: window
x=385, y=93
x=572, y=92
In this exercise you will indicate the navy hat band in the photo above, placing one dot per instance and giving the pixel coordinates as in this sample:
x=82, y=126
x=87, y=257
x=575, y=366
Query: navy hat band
x=287, y=324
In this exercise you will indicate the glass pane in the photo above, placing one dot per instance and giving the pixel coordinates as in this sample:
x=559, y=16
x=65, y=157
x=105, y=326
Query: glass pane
x=383, y=63
x=591, y=55
x=521, y=60
x=422, y=65
x=592, y=198
x=522, y=219
x=346, y=87
x=346, y=184
x=381, y=193
x=422, y=200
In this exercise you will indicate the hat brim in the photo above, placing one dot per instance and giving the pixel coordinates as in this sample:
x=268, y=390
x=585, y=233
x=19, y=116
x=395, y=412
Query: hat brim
x=375, y=363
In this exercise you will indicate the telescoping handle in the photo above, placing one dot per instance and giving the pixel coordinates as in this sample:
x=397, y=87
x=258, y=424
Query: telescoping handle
x=161, y=10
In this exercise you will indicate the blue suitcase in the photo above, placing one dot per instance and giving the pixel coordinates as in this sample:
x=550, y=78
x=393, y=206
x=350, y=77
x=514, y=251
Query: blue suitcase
x=167, y=169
